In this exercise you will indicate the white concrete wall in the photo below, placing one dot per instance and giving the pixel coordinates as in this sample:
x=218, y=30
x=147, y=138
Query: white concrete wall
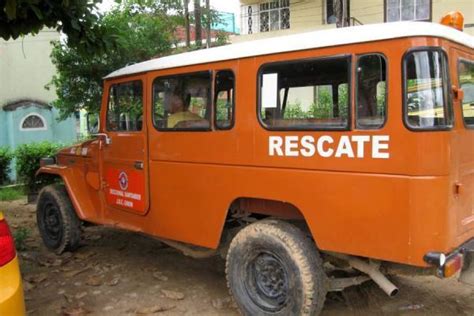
x=25, y=68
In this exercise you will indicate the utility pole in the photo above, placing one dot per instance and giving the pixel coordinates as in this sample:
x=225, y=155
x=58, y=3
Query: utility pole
x=186, y=23
x=197, y=23
x=208, y=26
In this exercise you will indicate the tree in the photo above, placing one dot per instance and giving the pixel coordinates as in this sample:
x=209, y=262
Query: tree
x=197, y=22
x=208, y=23
x=141, y=33
x=186, y=23
x=78, y=19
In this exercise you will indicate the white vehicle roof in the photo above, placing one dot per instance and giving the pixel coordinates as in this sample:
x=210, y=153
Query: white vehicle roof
x=301, y=41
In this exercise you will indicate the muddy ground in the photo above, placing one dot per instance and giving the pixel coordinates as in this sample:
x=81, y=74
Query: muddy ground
x=121, y=273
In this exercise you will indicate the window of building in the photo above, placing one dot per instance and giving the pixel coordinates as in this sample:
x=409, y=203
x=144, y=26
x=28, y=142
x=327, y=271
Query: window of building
x=427, y=101
x=407, y=10
x=267, y=16
x=33, y=122
x=182, y=102
x=125, y=108
x=224, y=99
x=333, y=8
x=305, y=95
x=371, y=91
x=466, y=83
x=330, y=14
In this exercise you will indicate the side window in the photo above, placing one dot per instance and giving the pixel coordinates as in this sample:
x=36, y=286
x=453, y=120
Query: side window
x=371, y=91
x=427, y=101
x=305, y=95
x=125, y=108
x=182, y=102
x=466, y=82
x=224, y=99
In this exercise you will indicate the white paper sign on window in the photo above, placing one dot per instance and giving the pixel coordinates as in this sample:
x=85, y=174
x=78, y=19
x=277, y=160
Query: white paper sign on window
x=269, y=90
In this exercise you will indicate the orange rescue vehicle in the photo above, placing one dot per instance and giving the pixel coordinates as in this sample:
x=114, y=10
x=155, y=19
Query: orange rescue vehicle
x=295, y=157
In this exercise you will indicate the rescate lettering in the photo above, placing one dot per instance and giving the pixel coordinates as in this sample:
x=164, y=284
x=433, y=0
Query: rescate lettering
x=355, y=146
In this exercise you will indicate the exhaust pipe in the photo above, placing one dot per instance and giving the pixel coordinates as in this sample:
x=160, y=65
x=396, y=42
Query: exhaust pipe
x=373, y=271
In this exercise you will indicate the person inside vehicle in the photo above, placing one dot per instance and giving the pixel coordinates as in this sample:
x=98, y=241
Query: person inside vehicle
x=179, y=111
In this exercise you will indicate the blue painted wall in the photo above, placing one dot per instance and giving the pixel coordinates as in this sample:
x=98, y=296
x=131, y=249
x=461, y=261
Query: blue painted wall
x=12, y=135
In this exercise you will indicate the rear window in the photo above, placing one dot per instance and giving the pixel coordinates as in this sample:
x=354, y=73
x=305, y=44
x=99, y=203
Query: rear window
x=466, y=82
x=427, y=97
x=305, y=95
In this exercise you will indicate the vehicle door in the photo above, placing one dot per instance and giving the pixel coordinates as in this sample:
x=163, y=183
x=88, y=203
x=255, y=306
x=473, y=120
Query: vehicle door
x=124, y=152
x=462, y=70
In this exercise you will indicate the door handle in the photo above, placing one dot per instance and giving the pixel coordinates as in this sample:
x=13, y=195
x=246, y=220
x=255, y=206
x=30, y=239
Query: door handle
x=106, y=137
x=138, y=165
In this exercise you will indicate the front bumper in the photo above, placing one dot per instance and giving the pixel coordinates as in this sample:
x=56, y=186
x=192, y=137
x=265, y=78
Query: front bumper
x=449, y=264
x=12, y=301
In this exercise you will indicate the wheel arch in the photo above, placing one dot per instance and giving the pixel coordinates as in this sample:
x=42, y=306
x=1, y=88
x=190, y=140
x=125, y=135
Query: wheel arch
x=260, y=208
x=66, y=177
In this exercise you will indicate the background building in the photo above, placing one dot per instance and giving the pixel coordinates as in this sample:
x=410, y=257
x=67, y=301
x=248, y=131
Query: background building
x=25, y=112
x=264, y=18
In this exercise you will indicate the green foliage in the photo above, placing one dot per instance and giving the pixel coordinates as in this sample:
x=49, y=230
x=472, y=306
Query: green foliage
x=141, y=33
x=28, y=159
x=6, y=157
x=11, y=194
x=20, y=235
x=78, y=19
x=222, y=38
x=322, y=108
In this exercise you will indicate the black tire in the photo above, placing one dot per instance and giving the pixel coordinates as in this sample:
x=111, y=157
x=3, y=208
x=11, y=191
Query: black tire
x=273, y=268
x=58, y=224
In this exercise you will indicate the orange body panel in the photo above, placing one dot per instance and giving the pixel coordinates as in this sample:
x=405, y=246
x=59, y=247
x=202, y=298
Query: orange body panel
x=395, y=209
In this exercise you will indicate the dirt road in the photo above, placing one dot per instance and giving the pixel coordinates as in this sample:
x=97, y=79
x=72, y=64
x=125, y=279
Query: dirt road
x=122, y=273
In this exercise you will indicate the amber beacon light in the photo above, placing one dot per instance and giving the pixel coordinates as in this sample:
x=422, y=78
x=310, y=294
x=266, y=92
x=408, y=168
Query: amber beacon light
x=454, y=19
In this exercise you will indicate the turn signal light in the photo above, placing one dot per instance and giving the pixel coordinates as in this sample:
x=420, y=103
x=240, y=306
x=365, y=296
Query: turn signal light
x=7, y=245
x=454, y=19
x=452, y=266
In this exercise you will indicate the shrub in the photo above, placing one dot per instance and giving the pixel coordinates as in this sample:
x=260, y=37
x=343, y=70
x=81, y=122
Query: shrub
x=6, y=157
x=28, y=162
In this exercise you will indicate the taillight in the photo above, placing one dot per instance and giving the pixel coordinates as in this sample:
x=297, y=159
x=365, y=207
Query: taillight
x=7, y=245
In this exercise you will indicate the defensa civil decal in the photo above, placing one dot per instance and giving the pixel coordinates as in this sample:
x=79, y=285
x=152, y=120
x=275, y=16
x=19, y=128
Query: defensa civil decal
x=355, y=146
x=125, y=189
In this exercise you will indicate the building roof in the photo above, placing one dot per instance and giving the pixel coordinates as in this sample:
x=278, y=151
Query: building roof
x=301, y=41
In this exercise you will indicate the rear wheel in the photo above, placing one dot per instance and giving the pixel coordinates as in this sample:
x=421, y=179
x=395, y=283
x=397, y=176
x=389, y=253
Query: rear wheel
x=274, y=269
x=58, y=224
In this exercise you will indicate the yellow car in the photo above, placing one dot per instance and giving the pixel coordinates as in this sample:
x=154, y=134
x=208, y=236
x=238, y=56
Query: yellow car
x=12, y=302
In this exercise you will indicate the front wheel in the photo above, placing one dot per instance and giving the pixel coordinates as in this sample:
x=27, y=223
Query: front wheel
x=58, y=224
x=274, y=269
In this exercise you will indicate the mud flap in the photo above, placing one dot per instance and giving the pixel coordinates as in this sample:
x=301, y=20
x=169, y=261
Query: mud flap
x=467, y=273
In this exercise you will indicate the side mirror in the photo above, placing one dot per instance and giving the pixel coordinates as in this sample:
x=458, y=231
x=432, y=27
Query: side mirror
x=92, y=120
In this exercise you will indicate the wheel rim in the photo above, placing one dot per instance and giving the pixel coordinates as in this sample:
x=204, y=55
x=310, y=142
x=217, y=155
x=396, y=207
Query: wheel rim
x=52, y=222
x=267, y=282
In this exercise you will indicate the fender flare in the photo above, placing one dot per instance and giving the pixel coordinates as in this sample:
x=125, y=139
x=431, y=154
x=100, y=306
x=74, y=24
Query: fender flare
x=68, y=179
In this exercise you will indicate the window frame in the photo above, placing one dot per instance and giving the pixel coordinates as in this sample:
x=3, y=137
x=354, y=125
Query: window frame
x=108, y=102
x=448, y=97
x=356, y=92
x=210, y=97
x=385, y=7
x=261, y=69
x=33, y=129
x=214, y=99
x=458, y=63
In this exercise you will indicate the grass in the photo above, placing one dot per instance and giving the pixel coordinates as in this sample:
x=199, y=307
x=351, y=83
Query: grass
x=11, y=193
